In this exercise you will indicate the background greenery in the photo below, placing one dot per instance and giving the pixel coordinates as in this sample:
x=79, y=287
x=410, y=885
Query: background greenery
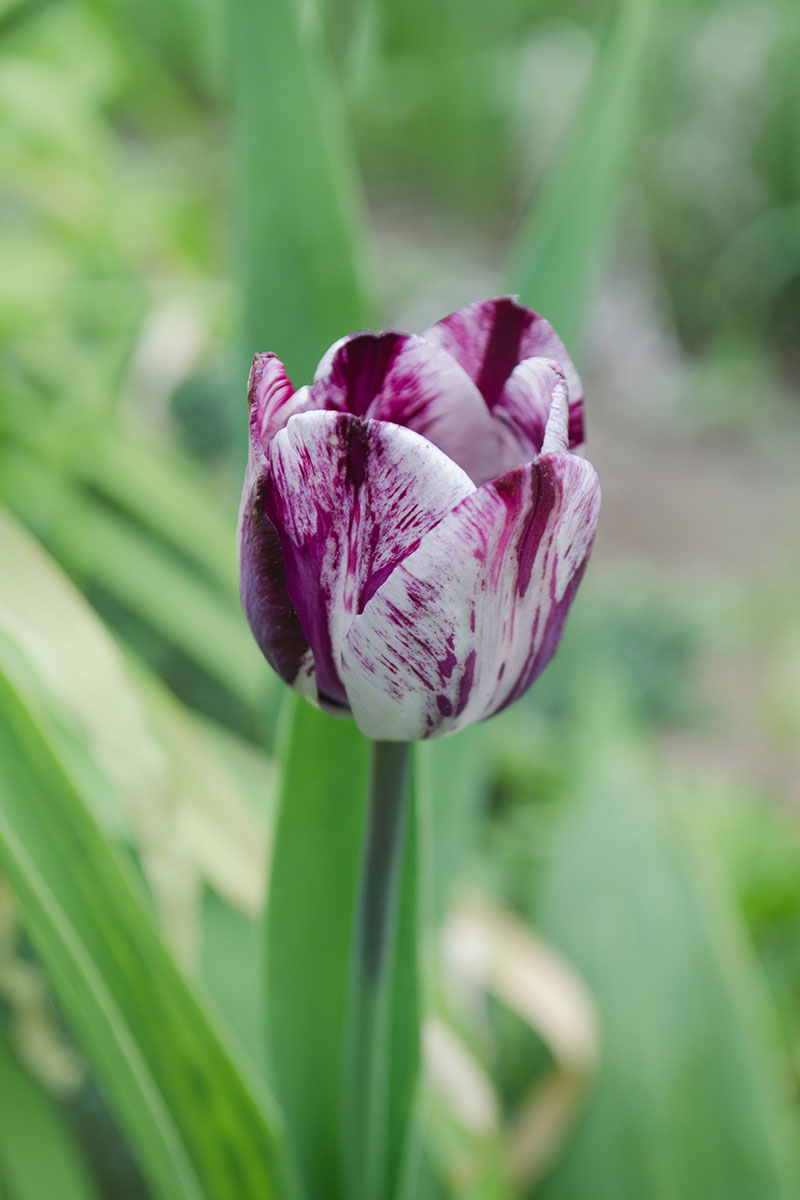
x=612, y=868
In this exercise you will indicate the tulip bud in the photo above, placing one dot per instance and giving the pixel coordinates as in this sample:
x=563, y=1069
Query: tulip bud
x=415, y=523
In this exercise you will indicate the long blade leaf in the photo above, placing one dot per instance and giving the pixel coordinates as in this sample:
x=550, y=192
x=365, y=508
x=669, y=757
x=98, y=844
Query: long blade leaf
x=298, y=199
x=310, y=912
x=200, y=1131
x=688, y=1102
x=37, y=1155
x=561, y=246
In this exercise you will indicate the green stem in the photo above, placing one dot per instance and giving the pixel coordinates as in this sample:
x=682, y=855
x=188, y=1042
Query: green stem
x=367, y=1050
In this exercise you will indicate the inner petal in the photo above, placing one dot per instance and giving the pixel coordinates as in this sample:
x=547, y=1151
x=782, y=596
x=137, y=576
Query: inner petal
x=489, y=338
x=405, y=379
x=535, y=390
x=350, y=499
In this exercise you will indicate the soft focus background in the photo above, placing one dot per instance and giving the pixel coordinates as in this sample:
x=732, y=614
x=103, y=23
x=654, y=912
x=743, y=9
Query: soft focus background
x=615, y=941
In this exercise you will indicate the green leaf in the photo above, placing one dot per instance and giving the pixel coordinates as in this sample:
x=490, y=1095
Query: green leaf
x=310, y=931
x=310, y=911
x=179, y=789
x=300, y=212
x=65, y=651
x=382, y=1003
x=163, y=490
x=140, y=573
x=137, y=572
x=688, y=1101
x=199, y=1130
x=37, y=1156
x=560, y=249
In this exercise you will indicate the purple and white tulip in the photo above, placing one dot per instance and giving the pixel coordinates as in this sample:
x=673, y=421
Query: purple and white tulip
x=414, y=523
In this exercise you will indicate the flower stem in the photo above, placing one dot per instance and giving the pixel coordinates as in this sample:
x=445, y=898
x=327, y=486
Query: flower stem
x=367, y=1034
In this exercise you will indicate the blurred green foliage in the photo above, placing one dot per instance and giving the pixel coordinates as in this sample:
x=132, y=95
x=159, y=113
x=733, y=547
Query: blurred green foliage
x=155, y=206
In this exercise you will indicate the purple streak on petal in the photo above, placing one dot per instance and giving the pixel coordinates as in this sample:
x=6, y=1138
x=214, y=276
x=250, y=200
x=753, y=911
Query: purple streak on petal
x=535, y=388
x=350, y=499
x=491, y=337
x=465, y=683
x=448, y=662
x=495, y=578
x=359, y=369
x=404, y=379
x=502, y=352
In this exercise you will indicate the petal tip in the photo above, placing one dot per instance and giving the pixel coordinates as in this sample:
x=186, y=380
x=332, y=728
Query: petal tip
x=269, y=391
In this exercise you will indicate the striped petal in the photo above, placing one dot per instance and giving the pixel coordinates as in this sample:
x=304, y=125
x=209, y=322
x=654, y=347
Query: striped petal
x=350, y=497
x=404, y=379
x=468, y=620
x=262, y=584
x=490, y=338
x=271, y=398
x=534, y=390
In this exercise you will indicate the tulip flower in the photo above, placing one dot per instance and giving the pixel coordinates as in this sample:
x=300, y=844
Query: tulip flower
x=415, y=522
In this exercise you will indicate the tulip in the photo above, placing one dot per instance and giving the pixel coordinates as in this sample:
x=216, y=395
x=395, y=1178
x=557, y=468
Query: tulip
x=415, y=523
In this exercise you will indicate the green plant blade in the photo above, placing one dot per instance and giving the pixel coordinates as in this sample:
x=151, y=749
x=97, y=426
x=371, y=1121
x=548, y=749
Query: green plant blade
x=140, y=573
x=554, y=263
x=310, y=923
x=298, y=201
x=37, y=1155
x=688, y=1102
x=198, y=1129
x=163, y=490
x=382, y=1004
x=310, y=911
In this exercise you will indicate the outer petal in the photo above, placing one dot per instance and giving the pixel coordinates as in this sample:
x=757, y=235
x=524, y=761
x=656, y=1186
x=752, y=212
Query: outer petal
x=271, y=398
x=350, y=498
x=405, y=379
x=465, y=624
x=491, y=337
x=262, y=583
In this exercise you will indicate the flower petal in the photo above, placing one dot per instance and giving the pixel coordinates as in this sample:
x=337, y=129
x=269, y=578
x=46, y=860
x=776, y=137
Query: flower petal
x=350, y=498
x=404, y=379
x=271, y=398
x=534, y=391
x=465, y=624
x=262, y=583
x=491, y=337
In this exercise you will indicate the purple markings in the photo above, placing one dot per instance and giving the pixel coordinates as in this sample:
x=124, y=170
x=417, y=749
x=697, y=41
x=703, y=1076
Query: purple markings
x=447, y=664
x=502, y=352
x=538, y=512
x=465, y=683
x=360, y=366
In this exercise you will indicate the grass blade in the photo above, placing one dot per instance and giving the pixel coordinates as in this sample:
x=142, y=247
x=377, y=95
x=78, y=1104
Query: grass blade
x=299, y=208
x=141, y=574
x=199, y=1130
x=382, y=1018
x=560, y=249
x=37, y=1155
x=310, y=912
x=683, y=1018
x=310, y=928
